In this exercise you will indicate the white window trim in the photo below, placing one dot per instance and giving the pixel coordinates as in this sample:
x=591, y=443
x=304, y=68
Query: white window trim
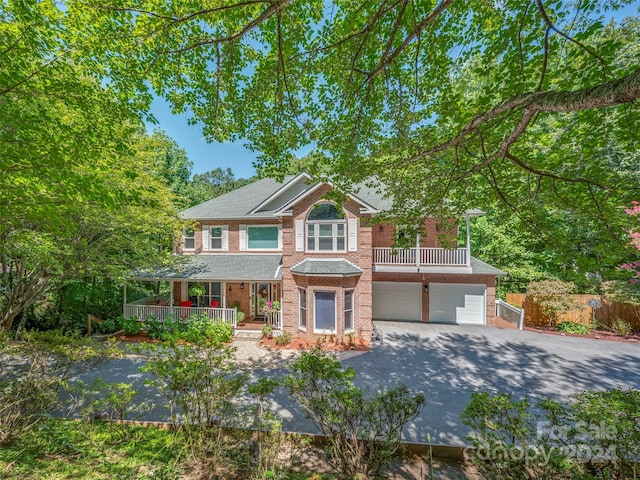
x=335, y=312
x=353, y=308
x=301, y=292
x=224, y=238
x=184, y=237
x=271, y=225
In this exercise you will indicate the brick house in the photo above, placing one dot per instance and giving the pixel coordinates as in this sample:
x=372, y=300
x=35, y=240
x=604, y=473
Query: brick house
x=333, y=271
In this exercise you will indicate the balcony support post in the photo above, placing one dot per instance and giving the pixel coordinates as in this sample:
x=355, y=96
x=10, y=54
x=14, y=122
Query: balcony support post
x=418, y=250
x=468, y=241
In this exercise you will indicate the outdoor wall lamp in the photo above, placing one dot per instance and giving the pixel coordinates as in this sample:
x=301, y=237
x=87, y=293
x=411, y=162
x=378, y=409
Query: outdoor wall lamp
x=242, y=286
x=426, y=288
x=229, y=287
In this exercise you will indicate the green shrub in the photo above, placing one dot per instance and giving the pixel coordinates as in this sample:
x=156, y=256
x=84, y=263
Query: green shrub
x=621, y=327
x=111, y=325
x=596, y=435
x=284, y=339
x=132, y=326
x=45, y=363
x=166, y=329
x=572, y=327
x=362, y=428
x=204, y=331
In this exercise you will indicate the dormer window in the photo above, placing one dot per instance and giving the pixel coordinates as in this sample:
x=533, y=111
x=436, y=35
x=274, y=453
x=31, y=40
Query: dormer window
x=326, y=229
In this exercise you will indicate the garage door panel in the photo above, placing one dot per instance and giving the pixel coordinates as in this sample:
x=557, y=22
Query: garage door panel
x=397, y=301
x=457, y=303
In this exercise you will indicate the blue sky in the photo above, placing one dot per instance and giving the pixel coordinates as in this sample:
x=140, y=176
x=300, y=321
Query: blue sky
x=205, y=156
x=209, y=156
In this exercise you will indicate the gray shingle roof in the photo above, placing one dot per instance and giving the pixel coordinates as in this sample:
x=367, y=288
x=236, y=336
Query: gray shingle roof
x=330, y=267
x=237, y=203
x=482, y=268
x=228, y=267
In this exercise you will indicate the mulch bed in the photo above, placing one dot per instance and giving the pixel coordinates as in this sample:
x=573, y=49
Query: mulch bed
x=594, y=334
x=296, y=343
x=141, y=337
x=302, y=344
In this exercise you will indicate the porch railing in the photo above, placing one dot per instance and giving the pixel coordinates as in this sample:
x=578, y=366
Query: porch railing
x=274, y=319
x=161, y=313
x=511, y=314
x=425, y=256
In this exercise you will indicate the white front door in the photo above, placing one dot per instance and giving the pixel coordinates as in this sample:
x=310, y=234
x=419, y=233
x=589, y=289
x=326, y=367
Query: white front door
x=464, y=304
x=397, y=301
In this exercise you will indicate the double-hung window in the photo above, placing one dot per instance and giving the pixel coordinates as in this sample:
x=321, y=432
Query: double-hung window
x=189, y=239
x=302, y=294
x=326, y=229
x=215, y=237
x=348, y=311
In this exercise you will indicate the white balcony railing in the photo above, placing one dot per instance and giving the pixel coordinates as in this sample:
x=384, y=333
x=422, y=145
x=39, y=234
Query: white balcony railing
x=159, y=312
x=426, y=256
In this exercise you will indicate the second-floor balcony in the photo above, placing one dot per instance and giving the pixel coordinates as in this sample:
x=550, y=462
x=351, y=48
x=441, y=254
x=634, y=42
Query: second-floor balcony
x=432, y=259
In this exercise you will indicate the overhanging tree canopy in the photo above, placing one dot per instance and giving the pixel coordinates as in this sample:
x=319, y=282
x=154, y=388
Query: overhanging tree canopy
x=529, y=104
x=431, y=91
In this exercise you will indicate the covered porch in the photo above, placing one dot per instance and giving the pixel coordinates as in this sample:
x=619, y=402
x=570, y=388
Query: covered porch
x=225, y=287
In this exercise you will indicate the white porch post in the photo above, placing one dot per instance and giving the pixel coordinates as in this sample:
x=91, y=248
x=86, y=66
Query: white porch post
x=171, y=293
x=417, y=250
x=468, y=241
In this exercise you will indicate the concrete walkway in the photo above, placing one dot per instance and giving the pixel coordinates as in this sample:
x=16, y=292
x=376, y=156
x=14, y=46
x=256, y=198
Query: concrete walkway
x=446, y=362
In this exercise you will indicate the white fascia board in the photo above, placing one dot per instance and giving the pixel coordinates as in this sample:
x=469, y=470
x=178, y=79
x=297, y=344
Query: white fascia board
x=282, y=212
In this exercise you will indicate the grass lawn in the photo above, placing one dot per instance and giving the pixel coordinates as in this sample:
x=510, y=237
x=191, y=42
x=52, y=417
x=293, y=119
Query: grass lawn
x=62, y=449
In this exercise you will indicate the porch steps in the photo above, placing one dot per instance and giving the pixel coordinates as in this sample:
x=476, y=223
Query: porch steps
x=248, y=335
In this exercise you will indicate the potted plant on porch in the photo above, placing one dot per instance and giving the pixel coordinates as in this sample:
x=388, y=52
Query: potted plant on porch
x=267, y=331
x=197, y=290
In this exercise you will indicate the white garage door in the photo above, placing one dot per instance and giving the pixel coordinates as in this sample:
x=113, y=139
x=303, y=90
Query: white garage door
x=457, y=303
x=397, y=301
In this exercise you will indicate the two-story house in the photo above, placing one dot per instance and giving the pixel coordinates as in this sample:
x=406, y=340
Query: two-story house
x=331, y=268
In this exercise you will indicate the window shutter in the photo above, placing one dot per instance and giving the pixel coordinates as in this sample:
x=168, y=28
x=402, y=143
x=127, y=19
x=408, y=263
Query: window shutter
x=299, y=235
x=280, y=237
x=225, y=238
x=242, y=238
x=206, y=244
x=353, y=234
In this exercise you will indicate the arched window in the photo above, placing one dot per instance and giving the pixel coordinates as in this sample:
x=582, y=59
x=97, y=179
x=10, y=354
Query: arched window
x=326, y=229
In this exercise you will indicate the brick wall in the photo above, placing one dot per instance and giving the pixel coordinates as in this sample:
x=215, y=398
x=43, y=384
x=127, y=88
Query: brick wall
x=234, y=235
x=361, y=284
x=434, y=234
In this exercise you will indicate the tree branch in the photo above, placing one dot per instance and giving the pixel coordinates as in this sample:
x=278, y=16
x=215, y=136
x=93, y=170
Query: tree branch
x=615, y=92
x=272, y=10
x=387, y=60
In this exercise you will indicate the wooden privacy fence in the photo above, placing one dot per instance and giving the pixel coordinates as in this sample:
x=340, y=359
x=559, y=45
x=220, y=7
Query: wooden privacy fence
x=605, y=314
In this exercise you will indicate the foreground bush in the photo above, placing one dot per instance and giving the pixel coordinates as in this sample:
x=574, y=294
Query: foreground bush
x=202, y=388
x=596, y=435
x=34, y=370
x=363, y=428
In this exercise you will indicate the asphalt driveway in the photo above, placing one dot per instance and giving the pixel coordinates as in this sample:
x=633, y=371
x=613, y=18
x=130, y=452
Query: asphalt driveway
x=448, y=363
